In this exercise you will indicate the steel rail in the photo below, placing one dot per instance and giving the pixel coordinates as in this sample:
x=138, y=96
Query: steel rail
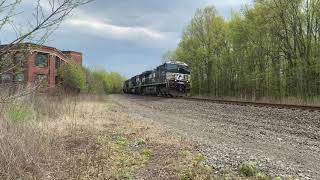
x=256, y=104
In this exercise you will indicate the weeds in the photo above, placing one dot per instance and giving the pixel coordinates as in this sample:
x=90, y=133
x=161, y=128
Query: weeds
x=193, y=166
x=277, y=178
x=125, y=160
x=123, y=176
x=226, y=174
x=249, y=169
x=140, y=142
x=19, y=113
x=122, y=142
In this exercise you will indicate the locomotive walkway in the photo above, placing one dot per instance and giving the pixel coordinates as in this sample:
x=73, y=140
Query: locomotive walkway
x=281, y=141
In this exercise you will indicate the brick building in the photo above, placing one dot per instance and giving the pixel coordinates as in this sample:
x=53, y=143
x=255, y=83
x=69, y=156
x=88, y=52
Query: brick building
x=37, y=63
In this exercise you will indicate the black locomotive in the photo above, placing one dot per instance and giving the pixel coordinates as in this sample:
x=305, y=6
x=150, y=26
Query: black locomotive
x=168, y=79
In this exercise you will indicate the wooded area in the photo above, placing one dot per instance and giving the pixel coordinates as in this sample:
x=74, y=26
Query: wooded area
x=270, y=49
x=90, y=81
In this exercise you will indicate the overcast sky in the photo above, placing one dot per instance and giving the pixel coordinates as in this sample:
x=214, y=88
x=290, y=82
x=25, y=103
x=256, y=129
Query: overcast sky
x=127, y=36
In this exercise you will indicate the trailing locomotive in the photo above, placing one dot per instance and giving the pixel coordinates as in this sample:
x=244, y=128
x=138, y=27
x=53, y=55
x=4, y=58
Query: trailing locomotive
x=168, y=79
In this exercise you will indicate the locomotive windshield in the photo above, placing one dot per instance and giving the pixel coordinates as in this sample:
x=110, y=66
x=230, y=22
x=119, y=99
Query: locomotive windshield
x=177, y=68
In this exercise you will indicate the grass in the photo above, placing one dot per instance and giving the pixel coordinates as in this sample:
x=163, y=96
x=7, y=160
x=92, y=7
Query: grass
x=194, y=167
x=141, y=142
x=226, y=174
x=249, y=169
x=84, y=138
x=88, y=137
x=18, y=113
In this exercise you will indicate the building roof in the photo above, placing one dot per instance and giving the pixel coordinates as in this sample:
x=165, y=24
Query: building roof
x=70, y=52
x=39, y=47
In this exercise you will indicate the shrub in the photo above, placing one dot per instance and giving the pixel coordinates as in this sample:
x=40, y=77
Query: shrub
x=261, y=176
x=249, y=169
x=91, y=81
x=101, y=81
x=73, y=76
x=94, y=85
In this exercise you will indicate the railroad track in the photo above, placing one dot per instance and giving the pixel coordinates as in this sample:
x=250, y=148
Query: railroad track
x=250, y=103
x=257, y=104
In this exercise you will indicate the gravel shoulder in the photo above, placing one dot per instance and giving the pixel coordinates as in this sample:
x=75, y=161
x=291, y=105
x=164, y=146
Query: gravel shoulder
x=282, y=142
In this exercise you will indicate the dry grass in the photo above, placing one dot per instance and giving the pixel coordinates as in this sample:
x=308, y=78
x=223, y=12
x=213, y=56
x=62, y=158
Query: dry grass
x=88, y=137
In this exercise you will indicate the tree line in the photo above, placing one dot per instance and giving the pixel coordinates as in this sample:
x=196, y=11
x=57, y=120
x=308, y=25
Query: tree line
x=270, y=49
x=92, y=81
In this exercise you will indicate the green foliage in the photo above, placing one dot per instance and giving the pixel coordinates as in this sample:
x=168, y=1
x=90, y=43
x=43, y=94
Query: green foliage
x=185, y=153
x=261, y=176
x=104, y=82
x=19, y=113
x=145, y=154
x=226, y=174
x=91, y=81
x=249, y=169
x=121, y=141
x=269, y=50
x=123, y=176
x=141, y=142
x=194, y=167
x=277, y=178
x=122, y=156
x=73, y=76
x=126, y=158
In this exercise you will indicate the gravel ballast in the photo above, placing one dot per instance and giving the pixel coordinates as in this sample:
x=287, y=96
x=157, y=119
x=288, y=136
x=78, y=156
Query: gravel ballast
x=283, y=142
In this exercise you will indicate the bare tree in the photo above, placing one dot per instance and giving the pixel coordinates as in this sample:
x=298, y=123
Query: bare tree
x=46, y=17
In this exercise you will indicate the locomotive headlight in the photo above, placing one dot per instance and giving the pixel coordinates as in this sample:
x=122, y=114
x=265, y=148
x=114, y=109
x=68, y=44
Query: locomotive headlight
x=179, y=77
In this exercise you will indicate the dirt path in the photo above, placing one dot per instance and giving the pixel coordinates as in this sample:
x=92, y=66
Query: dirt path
x=282, y=142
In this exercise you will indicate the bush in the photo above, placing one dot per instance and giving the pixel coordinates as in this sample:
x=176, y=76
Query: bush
x=73, y=76
x=101, y=81
x=94, y=85
x=249, y=169
x=92, y=81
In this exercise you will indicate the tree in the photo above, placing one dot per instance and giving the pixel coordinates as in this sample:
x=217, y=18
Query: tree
x=204, y=37
x=47, y=16
x=111, y=82
x=73, y=76
x=268, y=50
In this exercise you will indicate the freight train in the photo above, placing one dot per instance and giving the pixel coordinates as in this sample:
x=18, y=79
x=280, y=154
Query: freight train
x=169, y=79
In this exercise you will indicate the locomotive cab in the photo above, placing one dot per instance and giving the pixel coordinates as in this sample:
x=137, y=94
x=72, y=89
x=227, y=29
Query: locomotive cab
x=177, y=78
